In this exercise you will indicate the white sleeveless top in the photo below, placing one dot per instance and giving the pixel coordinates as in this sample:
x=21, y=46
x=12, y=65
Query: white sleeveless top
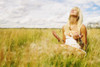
x=71, y=42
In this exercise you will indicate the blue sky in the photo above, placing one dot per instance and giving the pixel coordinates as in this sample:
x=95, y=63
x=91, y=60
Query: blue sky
x=45, y=13
x=97, y=7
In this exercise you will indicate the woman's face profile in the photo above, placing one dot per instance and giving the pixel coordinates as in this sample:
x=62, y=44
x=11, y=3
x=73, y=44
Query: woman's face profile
x=74, y=12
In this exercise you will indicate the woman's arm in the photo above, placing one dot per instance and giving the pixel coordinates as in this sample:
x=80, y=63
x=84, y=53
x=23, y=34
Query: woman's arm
x=84, y=33
x=57, y=37
x=64, y=38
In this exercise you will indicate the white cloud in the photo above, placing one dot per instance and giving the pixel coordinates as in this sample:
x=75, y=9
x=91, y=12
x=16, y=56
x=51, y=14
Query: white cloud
x=97, y=2
x=41, y=13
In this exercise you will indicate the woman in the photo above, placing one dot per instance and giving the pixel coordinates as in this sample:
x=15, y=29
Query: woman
x=74, y=29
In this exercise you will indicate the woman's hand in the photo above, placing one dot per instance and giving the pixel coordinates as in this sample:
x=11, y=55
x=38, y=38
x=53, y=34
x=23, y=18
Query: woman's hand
x=76, y=35
x=56, y=36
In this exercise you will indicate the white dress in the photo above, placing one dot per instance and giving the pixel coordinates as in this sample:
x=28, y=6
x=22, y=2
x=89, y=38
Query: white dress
x=72, y=42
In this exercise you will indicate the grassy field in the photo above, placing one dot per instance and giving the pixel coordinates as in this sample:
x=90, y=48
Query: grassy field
x=38, y=48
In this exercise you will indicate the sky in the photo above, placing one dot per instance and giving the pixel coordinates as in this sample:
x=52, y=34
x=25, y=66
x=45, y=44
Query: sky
x=45, y=13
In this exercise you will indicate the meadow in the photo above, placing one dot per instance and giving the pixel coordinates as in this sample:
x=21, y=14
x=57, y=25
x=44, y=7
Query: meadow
x=39, y=48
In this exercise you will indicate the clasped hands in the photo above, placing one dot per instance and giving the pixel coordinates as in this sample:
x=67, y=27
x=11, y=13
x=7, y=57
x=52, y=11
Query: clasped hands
x=75, y=35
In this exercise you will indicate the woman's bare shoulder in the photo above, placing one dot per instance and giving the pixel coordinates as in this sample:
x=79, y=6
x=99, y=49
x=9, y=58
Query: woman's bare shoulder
x=63, y=27
x=83, y=28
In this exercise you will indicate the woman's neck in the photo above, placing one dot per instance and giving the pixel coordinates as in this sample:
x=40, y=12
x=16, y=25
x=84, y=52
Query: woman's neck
x=73, y=20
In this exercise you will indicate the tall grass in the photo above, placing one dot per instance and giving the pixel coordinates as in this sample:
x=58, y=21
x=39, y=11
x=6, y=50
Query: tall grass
x=38, y=48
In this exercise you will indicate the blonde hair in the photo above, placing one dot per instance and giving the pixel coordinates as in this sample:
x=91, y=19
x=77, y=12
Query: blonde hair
x=79, y=22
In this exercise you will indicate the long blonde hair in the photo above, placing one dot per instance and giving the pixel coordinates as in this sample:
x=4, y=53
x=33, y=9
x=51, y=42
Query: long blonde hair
x=79, y=22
